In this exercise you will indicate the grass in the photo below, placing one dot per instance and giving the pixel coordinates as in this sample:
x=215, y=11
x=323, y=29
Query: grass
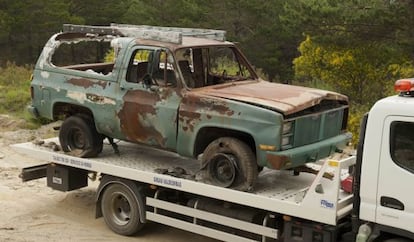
x=15, y=94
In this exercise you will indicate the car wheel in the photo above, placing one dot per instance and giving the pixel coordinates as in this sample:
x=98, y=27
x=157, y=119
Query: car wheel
x=79, y=137
x=230, y=163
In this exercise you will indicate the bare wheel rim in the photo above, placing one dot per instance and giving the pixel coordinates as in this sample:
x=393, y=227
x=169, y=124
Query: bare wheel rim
x=77, y=138
x=222, y=169
x=120, y=208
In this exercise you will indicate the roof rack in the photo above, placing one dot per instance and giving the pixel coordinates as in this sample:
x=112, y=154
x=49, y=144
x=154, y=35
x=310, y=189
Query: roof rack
x=165, y=34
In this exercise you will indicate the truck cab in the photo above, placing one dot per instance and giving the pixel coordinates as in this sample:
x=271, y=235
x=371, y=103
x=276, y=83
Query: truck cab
x=387, y=167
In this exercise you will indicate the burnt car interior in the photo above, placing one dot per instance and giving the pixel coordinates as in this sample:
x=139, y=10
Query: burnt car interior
x=211, y=66
x=91, y=55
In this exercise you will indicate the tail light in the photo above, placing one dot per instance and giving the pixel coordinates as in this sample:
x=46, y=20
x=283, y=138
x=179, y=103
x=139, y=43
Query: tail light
x=347, y=184
x=31, y=92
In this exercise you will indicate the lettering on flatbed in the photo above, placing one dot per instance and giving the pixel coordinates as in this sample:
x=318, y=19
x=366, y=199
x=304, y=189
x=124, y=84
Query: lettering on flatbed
x=169, y=182
x=72, y=161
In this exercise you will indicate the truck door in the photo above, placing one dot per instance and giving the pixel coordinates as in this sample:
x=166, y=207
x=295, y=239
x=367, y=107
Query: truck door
x=395, y=199
x=149, y=104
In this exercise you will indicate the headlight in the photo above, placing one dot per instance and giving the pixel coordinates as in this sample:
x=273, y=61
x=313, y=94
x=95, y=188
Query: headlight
x=285, y=141
x=287, y=135
x=287, y=127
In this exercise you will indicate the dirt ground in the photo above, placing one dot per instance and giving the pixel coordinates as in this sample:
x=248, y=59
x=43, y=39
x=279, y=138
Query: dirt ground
x=33, y=212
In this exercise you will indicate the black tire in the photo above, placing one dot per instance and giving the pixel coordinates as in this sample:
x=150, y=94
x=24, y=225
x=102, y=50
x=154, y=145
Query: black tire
x=230, y=163
x=78, y=136
x=120, y=210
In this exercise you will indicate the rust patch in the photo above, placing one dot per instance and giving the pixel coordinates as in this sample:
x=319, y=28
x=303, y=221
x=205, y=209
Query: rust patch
x=193, y=106
x=134, y=116
x=221, y=108
x=277, y=162
x=189, y=118
x=86, y=83
x=167, y=92
x=286, y=98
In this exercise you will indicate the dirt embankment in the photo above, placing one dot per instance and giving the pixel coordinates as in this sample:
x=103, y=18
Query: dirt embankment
x=33, y=212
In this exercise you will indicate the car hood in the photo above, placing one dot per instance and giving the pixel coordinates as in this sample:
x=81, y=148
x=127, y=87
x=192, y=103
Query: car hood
x=286, y=99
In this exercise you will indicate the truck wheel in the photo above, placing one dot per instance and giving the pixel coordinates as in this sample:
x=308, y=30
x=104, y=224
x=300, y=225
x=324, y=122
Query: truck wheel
x=79, y=137
x=230, y=163
x=120, y=210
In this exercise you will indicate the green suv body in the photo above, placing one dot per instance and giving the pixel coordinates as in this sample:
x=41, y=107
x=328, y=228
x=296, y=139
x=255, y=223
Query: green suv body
x=184, y=90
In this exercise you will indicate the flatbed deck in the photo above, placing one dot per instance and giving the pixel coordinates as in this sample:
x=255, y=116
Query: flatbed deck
x=306, y=196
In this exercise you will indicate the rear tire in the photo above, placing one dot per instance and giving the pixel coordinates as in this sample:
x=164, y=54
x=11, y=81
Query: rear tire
x=78, y=136
x=120, y=210
x=230, y=163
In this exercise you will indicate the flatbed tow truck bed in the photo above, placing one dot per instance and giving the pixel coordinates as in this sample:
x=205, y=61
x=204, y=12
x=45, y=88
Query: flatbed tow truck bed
x=278, y=193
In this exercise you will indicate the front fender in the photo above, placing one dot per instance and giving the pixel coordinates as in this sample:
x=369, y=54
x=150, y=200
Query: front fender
x=263, y=125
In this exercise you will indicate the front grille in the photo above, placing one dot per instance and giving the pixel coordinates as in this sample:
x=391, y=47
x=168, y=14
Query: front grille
x=318, y=126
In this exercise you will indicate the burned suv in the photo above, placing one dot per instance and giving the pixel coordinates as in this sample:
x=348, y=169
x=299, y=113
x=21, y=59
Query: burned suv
x=184, y=90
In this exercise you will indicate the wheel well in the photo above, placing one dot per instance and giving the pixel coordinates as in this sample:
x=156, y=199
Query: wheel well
x=63, y=110
x=207, y=135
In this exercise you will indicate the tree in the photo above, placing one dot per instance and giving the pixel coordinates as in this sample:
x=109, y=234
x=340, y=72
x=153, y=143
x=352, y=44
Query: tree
x=30, y=24
x=180, y=13
x=256, y=26
x=253, y=24
x=365, y=73
x=97, y=12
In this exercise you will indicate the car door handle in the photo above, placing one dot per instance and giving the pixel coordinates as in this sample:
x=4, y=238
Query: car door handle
x=390, y=202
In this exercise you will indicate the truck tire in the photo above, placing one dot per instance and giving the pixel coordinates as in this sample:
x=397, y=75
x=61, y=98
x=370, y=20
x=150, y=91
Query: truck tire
x=230, y=163
x=78, y=136
x=120, y=210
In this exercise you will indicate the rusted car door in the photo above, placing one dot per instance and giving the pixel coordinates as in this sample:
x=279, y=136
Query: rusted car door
x=148, y=112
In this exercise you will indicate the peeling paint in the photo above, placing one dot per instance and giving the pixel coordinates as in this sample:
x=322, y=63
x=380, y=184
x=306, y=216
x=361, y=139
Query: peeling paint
x=45, y=74
x=285, y=98
x=48, y=51
x=87, y=83
x=77, y=96
x=277, y=162
x=138, y=109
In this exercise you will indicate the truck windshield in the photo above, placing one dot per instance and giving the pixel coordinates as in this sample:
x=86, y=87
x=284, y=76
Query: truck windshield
x=211, y=66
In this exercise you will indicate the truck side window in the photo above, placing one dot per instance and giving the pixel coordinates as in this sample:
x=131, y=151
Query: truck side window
x=224, y=62
x=190, y=62
x=153, y=62
x=91, y=56
x=163, y=69
x=138, y=65
x=402, y=144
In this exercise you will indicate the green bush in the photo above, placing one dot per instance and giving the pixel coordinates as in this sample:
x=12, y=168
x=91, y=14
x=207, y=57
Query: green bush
x=14, y=88
x=354, y=121
x=15, y=93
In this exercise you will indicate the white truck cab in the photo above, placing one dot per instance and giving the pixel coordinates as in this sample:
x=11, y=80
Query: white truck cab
x=387, y=167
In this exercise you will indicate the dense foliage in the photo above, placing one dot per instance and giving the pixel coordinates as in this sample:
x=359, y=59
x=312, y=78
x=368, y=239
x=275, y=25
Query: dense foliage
x=356, y=47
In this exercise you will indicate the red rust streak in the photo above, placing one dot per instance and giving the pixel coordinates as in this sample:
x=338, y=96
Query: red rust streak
x=139, y=106
x=86, y=83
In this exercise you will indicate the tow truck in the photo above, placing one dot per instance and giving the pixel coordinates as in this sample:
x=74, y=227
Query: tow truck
x=363, y=197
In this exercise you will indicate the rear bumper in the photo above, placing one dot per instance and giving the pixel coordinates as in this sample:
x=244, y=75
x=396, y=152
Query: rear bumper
x=295, y=157
x=33, y=111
